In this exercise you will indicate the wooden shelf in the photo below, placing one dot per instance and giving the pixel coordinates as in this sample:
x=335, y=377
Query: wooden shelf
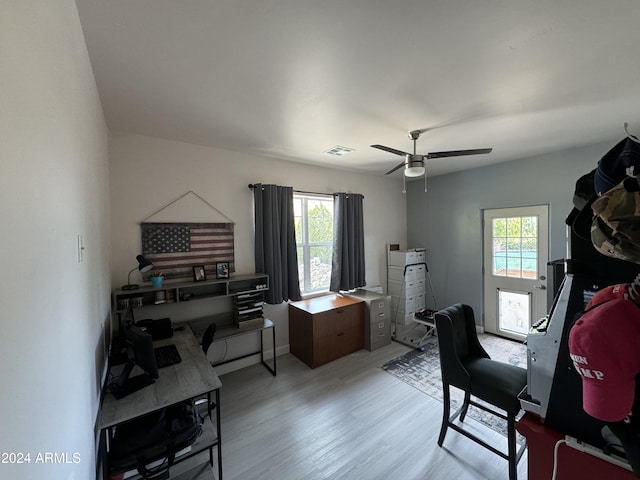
x=244, y=316
x=178, y=292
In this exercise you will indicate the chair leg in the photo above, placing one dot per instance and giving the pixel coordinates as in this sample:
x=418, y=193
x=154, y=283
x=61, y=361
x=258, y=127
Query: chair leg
x=446, y=406
x=465, y=406
x=511, y=441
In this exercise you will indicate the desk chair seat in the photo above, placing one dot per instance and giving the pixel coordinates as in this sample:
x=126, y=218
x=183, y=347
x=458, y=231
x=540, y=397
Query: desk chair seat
x=466, y=365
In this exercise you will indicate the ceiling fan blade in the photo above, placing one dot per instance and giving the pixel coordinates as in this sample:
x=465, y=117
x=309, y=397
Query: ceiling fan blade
x=458, y=153
x=400, y=165
x=390, y=150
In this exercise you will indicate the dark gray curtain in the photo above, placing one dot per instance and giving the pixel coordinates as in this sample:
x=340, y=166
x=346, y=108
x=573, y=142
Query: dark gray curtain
x=275, y=245
x=347, y=264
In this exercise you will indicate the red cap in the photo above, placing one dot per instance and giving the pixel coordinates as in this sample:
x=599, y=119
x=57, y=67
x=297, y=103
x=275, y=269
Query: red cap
x=604, y=345
x=612, y=292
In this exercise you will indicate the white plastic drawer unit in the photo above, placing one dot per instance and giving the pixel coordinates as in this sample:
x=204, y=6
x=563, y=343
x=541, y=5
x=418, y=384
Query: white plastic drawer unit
x=407, y=274
x=402, y=258
x=406, y=289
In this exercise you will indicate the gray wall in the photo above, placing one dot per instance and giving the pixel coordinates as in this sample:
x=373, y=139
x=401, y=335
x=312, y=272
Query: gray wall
x=447, y=219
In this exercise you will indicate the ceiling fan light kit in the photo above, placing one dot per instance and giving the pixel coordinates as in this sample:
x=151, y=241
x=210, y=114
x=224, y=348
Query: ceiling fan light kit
x=414, y=163
x=414, y=168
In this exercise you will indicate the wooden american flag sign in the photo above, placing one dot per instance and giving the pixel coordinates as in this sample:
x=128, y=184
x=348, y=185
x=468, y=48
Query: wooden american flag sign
x=175, y=248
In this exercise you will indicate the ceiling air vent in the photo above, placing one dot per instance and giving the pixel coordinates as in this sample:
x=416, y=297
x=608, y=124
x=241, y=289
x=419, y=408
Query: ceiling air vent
x=339, y=150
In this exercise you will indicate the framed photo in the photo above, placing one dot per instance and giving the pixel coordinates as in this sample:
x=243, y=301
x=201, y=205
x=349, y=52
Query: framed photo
x=199, y=274
x=222, y=270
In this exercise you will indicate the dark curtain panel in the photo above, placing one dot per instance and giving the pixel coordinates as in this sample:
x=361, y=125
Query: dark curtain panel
x=347, y=265
x=275, y=245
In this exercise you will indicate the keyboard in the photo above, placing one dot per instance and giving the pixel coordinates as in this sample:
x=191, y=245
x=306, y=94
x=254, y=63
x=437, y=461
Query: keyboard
x=167, y=355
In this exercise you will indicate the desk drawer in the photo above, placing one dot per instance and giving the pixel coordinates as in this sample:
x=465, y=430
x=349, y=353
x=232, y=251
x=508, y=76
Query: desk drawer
x=378, y=342
x=336, y=321
x=380, y=308
x=378, y=334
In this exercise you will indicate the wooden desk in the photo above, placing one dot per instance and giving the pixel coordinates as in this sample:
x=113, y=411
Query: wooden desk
x=193, y=377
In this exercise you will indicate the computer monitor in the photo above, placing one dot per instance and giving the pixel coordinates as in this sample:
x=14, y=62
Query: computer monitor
x=139, y=346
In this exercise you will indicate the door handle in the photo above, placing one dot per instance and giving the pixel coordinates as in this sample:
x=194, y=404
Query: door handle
x=541, y=287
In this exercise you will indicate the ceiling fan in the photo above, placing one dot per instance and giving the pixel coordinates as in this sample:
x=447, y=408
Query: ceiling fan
x=414, y=163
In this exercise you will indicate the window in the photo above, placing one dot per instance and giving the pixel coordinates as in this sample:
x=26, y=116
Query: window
x=314, y=239
x=515, y=247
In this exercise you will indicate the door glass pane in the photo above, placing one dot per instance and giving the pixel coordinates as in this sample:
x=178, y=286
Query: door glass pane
x=515, y=247
x=500, y=266
x=514, y=311
x=513, y=267
x=530, y=227
x=529, y=258
x=513, y=227
x=500, y=256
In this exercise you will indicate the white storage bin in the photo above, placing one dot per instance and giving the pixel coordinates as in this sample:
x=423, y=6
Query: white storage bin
x=401, y=258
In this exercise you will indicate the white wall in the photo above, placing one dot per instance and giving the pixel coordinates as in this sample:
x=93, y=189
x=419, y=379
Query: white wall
x=147, y=173
x=53, y=186
x=447, y=219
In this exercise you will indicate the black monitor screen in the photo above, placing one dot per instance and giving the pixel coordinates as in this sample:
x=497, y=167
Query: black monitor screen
x=139, y=352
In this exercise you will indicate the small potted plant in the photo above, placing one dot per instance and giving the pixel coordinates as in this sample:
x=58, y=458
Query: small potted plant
x=156, y=279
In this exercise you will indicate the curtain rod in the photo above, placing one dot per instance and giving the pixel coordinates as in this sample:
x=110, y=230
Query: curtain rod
x=253, y=186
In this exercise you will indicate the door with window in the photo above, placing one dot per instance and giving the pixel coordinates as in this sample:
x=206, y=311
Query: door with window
x=516, y=251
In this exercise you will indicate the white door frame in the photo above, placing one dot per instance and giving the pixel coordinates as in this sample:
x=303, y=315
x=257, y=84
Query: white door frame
x=530, y=291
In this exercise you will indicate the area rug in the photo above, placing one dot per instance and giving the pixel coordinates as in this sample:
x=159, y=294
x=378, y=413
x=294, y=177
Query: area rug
x=421, y=370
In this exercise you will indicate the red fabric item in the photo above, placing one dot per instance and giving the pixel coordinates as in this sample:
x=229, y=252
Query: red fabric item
x=604, y=345
x=612, y=292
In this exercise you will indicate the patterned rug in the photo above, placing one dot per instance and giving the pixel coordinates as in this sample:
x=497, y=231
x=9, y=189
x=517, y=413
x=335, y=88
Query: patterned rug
x=421, y=370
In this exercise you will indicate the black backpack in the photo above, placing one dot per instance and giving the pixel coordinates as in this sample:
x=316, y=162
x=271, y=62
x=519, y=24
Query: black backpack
x=152, y=437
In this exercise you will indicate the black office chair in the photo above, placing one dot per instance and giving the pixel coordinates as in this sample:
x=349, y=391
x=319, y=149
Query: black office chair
x=207, y=338
x=467, y=366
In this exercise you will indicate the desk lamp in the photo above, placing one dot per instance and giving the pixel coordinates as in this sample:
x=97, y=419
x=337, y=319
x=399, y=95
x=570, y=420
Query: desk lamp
x=144, y=265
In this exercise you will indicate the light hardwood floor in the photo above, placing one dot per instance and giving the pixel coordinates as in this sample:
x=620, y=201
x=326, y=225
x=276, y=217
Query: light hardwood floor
x=345, y=420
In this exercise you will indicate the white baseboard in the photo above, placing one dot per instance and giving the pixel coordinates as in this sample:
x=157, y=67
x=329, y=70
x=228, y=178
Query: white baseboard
x=479, y=329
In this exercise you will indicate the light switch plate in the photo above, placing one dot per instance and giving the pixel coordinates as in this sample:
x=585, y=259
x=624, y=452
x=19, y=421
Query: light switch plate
x=80, y=249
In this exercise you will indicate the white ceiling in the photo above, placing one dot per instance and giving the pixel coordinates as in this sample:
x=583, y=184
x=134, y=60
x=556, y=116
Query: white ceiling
x=293, y=78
